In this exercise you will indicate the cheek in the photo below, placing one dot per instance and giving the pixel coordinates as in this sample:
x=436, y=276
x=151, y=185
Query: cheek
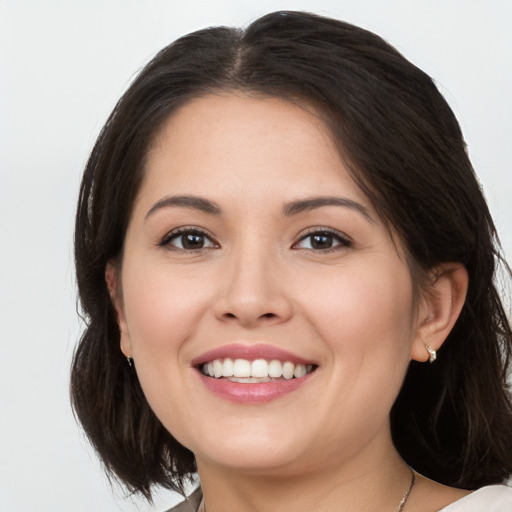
x=162, y=310
x=365, y=315
x=366, y=320
x=367, y=303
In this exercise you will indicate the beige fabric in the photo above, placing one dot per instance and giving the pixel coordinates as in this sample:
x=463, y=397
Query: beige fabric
x=191, y=504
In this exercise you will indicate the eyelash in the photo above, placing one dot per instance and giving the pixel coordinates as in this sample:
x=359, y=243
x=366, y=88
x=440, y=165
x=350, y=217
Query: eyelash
x=343, y=241
x=187, y=230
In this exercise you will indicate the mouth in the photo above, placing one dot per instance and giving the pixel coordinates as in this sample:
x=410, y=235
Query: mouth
x=245, y=371
x=252, y=374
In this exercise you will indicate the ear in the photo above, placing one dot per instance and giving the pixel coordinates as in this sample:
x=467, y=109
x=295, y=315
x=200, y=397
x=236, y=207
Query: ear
x=439, y=309
x=112, y=279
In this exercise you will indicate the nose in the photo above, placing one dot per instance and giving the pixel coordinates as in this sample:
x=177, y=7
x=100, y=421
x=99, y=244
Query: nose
x=253, y=291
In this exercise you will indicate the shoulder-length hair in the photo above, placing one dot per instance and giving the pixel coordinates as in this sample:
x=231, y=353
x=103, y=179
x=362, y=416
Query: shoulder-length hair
x=452, y=421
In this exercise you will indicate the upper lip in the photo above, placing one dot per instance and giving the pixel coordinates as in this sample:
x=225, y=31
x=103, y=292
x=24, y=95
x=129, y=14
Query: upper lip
x=249, y=352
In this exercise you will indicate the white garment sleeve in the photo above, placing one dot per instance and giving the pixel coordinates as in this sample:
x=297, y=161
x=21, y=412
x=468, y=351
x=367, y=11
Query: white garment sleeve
x=493, y=498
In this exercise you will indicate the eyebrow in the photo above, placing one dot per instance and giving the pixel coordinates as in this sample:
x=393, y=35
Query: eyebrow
x=192, y=202
x=305, y=205
x=292, y=208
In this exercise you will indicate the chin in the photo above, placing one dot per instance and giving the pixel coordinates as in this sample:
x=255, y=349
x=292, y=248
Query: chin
x=255, y=461
x=255, y=450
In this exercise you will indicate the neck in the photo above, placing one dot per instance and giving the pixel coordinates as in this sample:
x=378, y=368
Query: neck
x=362, y=484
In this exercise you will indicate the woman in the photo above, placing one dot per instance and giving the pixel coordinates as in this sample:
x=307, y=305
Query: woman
x=277, y=229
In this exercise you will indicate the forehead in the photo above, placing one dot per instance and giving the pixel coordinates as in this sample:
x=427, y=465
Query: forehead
x=240, y=142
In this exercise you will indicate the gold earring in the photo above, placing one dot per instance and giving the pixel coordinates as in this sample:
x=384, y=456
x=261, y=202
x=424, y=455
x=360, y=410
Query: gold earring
x=432, y=353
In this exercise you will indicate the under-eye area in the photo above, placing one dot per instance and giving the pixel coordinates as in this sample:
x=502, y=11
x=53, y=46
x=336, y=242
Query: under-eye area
x=251, y=372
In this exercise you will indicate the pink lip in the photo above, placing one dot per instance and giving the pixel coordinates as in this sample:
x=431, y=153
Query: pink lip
x=249, y=352
x=252, y=393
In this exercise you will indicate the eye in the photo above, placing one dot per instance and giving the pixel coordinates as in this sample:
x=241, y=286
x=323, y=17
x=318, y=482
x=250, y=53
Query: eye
x=322, y=240
x=188, y=239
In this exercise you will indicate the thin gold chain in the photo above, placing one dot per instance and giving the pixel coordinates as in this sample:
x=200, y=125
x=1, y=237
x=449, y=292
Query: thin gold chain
x=401, y=505
x=400, y=508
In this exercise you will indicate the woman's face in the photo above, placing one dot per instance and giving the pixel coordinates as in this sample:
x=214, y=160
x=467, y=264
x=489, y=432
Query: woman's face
x=251, y=251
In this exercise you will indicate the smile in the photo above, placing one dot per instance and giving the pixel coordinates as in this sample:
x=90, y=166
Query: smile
x=252, y=374
x=259, y=370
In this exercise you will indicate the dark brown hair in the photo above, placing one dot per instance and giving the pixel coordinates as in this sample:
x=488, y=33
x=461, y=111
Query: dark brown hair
x=452, y=420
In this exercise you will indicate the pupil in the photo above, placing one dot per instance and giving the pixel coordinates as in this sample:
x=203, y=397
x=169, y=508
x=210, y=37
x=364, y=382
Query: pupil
x=192, y=241
x=321, y=242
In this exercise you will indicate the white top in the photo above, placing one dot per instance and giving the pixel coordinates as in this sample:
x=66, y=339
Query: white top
x=494, y=498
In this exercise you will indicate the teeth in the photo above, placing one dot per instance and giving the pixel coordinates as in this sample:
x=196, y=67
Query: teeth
x=217, y=368
x=299, y=371
x=275, y=369
x=259, y=370
x=288, y=369
x=242, y=368
x=250, y=380
x=228, y=368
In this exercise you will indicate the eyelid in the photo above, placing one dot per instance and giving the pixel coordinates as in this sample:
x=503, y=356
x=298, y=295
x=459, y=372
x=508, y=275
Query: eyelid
x=345, y=240
x=170, y=235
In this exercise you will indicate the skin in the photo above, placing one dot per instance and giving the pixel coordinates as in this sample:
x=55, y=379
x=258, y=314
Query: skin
x=257, y=279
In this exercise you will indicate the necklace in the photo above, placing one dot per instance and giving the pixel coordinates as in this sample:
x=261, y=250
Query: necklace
x=401, y=505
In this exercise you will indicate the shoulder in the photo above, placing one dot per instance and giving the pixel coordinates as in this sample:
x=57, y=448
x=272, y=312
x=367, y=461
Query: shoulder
x=190, y=504
x=493, y=498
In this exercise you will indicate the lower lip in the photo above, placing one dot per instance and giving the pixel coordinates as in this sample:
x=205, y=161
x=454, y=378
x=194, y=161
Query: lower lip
x=254, y=393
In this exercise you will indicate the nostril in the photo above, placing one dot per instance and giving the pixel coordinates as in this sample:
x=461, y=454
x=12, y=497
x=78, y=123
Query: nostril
x=265, y=315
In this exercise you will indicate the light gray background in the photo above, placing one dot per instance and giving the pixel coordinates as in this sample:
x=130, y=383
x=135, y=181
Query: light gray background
x=62, y=67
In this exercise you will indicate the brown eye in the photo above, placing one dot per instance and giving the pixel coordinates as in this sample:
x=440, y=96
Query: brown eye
x=189, y=240
x=322, y=241
x=192, y=241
